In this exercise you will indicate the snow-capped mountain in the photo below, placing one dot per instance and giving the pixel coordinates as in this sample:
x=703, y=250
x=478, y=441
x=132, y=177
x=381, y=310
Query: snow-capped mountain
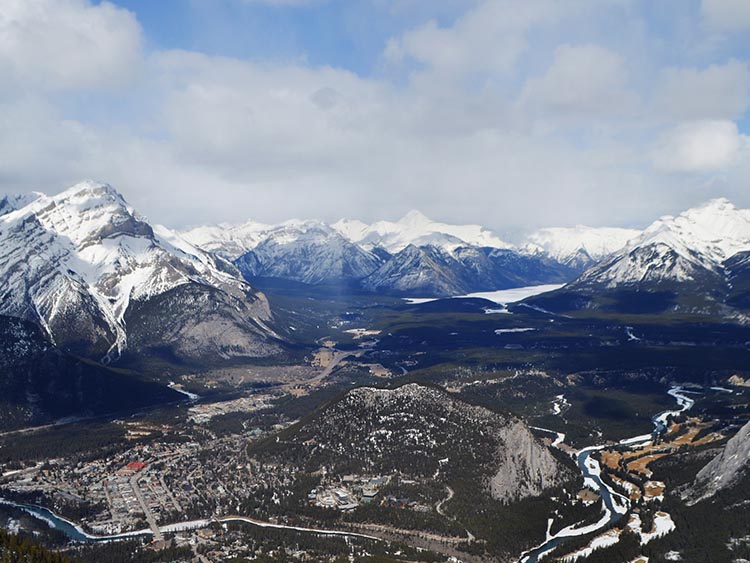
x=696, y=262
x=99, y=279
x=416, y=229
x=309, y=252
x=579, y=247
x=689, y=247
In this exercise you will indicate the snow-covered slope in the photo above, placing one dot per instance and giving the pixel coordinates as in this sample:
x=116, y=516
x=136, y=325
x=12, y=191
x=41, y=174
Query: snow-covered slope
x=579, y=246
x=416, y=229
x=12, y=202
x=228, y=241
x=80, y=264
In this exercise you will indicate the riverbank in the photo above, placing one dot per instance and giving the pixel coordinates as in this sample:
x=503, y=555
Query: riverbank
x=616, y=505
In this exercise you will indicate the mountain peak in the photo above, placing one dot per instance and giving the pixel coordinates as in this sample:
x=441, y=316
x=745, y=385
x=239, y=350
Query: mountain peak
x=91, y=190
x=719, y=205
x=415, y=217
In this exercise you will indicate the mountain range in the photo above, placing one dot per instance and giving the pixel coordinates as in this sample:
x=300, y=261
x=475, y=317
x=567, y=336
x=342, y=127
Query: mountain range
x=102, y=282
x=414, y=256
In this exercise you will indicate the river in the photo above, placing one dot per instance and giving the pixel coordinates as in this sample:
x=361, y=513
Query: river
x=615, y=505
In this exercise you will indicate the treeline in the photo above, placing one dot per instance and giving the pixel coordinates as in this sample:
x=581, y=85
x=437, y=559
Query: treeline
x=17, y=549
x=76, y=442
x=131, y=551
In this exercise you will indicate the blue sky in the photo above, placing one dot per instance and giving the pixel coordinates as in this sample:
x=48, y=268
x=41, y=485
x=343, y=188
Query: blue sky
x=510, y=113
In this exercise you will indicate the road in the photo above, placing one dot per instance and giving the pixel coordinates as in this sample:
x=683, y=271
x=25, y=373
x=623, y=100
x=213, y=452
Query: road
x=146, y=510
x=439, y=509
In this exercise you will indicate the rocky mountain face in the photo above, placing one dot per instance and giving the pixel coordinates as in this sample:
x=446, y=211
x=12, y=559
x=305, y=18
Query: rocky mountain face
x=308, y=252
x=723, y=471
x=40, y=384
x=422, y=431
x=100, y=280
x=432, y=271
x=695, y=262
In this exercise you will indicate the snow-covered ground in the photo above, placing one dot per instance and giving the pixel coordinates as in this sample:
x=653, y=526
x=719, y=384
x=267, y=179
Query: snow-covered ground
x=501, y=297
x=560, y=404
x=179, y=389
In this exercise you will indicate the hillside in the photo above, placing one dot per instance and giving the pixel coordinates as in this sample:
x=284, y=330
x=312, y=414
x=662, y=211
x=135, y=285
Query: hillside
x=422, y=432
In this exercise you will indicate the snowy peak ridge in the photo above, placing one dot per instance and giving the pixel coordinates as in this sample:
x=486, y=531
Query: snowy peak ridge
x=416, y=228
x=682, y=248
x=13, y=202
x=717, y=229
x=228, y=241
x=570, y=244
x=415, y=218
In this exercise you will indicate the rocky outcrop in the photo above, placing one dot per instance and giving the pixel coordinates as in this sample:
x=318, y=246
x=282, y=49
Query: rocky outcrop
x=526, y=467
x=725, y=470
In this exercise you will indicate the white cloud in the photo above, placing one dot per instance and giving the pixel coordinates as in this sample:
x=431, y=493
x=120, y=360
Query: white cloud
x=488, y=38
x=582, y=80
x=716, y=92
x=67, y=44
x=700, y=146
x=727, y=15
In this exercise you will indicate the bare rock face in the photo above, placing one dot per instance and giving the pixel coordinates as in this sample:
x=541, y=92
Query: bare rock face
x=725, y=470
x=526, y=467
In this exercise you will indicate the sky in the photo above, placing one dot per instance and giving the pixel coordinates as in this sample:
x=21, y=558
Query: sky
x=514, y=114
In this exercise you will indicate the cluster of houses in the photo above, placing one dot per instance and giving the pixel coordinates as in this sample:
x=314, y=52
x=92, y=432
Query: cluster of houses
x=348, y=493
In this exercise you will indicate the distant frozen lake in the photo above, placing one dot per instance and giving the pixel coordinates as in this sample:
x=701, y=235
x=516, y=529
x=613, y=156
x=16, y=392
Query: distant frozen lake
x=501, y=297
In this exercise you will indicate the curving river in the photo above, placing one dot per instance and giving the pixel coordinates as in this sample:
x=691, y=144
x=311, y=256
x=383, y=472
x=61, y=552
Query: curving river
x=76, y=533
x=70, y=529
x=615, y=505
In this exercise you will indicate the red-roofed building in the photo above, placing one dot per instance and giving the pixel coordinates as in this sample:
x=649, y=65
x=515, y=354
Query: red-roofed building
x=131, y=468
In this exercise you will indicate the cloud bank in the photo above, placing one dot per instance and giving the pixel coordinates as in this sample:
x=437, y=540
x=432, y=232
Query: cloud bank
x=514, y=114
